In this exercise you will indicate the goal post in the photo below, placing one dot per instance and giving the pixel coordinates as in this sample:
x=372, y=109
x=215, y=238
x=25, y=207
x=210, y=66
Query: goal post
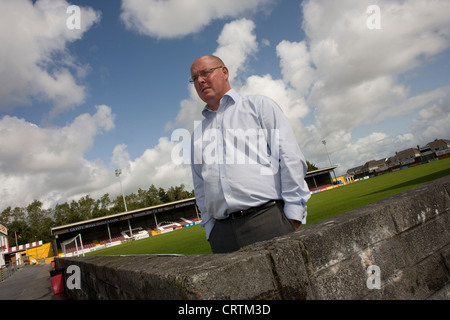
x=65, y=244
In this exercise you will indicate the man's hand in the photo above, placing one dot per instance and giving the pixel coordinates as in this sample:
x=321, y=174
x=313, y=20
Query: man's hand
x=296, y=224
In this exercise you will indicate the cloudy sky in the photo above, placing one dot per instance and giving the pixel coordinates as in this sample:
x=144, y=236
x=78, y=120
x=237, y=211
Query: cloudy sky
x=80, y=98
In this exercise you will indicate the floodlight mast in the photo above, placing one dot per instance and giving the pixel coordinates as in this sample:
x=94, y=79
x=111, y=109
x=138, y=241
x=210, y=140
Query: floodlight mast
x=118, y=173
x=325, y=144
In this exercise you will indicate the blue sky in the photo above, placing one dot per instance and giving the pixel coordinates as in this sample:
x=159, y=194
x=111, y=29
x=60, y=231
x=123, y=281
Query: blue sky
x=77, y=104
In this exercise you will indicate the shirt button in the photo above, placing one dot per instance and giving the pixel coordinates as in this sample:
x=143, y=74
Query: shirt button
x=228, y=196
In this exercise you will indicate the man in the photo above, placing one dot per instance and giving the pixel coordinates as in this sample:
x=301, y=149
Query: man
x=247, y=167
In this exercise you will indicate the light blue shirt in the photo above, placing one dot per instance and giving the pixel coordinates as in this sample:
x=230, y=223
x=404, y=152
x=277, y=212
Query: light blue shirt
x=244, y=155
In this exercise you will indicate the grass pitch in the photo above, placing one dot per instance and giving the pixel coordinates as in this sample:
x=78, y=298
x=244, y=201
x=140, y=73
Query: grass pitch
x=322, y=205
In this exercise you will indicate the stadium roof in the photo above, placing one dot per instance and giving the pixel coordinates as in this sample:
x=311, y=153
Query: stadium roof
x=320, y=171
x=124, y=215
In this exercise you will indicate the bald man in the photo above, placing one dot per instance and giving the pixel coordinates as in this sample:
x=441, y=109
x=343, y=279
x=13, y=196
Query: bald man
x=247, y=167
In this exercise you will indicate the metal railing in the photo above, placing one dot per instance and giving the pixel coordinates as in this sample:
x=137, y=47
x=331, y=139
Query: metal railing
x=8, y=271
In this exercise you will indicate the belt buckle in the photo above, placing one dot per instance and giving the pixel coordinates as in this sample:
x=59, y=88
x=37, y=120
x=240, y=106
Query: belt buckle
x=240, y=214
x=237, y=214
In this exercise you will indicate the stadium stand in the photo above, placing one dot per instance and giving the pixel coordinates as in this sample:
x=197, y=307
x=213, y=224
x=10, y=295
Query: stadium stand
x=114, y=229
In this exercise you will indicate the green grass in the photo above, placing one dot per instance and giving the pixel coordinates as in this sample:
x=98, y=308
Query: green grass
x=322, y=205
x=326, y=204
x=191, y=240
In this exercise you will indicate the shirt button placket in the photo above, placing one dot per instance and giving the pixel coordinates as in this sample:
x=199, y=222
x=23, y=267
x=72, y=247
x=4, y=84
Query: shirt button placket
x=222, y=165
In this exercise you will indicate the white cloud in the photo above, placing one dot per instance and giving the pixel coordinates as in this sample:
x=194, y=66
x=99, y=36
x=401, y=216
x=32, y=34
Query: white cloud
x=190, y=111
x=36, y=64
x=293, y=105
x=236, y=43
x=433, y=121
x=352, y=59
x=355, y=70
x=346, y=52
x=177, y=18
x=48, y=163
x=296, y=65
x=154, y=166
x=359, y=104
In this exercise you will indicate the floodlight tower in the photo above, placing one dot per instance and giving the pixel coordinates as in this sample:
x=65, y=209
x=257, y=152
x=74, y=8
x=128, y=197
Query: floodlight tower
x=325, y=144
x=118, y=173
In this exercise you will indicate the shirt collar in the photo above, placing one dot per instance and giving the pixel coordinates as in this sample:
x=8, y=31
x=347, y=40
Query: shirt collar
x=228, y=98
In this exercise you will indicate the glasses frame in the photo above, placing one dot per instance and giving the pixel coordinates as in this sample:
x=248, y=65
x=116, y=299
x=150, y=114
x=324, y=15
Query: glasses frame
x=204, y=74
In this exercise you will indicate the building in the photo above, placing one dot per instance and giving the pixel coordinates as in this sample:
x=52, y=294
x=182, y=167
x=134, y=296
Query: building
x=404, y=157
x=435, y=150
x=4, y=244
x=372, y=167
x=440, y=147
x=319, y=179
x=29, y=253
x=355, y=170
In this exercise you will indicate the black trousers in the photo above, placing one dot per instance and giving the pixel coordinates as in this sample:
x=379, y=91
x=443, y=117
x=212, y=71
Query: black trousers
x=232, y=234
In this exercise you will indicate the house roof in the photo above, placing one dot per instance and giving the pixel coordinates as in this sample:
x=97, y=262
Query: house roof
x=439, y=143
x=405, y=154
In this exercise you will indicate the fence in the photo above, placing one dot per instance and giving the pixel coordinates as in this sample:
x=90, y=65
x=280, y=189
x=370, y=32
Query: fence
x=7, y=272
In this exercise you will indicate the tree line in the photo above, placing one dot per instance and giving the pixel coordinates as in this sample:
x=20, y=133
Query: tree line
x=33, y=222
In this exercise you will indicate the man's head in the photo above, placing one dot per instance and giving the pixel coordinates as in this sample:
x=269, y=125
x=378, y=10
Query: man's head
x=210, y=76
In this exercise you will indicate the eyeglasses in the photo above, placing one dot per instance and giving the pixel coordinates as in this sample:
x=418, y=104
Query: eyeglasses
x=203, y=74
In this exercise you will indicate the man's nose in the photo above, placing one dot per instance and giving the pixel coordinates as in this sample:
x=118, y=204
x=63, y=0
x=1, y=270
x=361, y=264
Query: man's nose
x=201, y=79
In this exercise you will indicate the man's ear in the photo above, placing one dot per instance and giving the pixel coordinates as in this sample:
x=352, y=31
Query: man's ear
x=225, y=72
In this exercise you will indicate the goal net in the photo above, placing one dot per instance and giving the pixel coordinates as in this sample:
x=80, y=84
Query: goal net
x=73, y=245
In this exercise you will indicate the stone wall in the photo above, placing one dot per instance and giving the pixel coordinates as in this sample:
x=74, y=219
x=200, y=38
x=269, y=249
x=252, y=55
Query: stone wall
x=404, y=239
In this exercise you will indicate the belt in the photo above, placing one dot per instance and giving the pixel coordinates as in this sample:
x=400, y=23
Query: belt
x=242, y=213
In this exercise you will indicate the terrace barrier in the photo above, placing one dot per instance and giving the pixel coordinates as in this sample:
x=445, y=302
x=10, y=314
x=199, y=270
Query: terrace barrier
x=396, y=248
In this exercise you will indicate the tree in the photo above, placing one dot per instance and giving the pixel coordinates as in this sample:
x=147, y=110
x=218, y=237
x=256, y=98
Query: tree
x=6, y=216
x=311, y=166
x=23, y=231
x=133, y=201
x=153, y=196
x=101, y=207
x=73, y=215
x=60, y=213
x=85, y=207
x=39, y=222
x=35, y=215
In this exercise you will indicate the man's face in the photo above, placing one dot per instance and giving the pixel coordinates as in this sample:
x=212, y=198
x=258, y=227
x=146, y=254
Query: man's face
x=211, y=85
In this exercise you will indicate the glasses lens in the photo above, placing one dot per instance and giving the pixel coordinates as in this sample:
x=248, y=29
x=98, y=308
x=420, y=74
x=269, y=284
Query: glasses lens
x=203, y=74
